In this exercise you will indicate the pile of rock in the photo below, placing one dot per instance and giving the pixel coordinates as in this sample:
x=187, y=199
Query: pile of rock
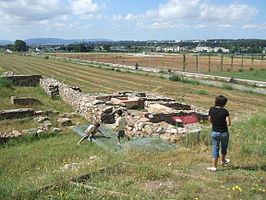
x=44, y=125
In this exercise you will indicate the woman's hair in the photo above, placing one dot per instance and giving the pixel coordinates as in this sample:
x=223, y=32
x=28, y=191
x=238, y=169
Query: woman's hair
x=97, y=125
x=220, y=100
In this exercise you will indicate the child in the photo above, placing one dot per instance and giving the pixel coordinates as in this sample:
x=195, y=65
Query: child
x=120, y=125
x=91, y=131
x=220, y=119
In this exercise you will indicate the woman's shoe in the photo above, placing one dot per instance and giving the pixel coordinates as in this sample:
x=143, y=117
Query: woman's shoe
x=226, y=161
x=213, y=169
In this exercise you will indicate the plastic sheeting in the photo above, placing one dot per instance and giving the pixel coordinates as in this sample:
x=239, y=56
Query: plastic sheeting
x=109, y=142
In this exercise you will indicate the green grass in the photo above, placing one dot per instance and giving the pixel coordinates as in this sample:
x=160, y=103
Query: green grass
x=5, y=83
x=182, y=79
x=228, y=87
x=202, y=92
x=257, y=75
x=35, y=92
x=29, y=162
x=182, y=175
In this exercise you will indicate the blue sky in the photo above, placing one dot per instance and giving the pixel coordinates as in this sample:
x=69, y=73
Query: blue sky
x=133, y=19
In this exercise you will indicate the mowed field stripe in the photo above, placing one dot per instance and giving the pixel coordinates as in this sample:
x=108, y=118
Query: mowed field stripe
x=239, y=102
x=121, y=79
x=84, y=73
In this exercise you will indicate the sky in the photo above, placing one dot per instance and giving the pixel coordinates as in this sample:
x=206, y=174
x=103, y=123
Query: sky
x=133, y=19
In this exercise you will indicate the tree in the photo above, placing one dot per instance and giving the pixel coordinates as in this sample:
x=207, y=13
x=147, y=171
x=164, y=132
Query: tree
x=20, y=45
x=81, y=47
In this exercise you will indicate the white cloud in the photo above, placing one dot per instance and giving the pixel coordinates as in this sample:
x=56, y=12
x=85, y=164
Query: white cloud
x=249, y=26
x=26, y=11
x=163, y=25
x=87, y=26
x=58, y=25
x=201, y=10
x=83, y=7
x=63, y=17
x=91, y=16
x=198, y=26
x=131, y=17
x=255, y=26
x=117, y=17
x=174, y=14
x=224, y=26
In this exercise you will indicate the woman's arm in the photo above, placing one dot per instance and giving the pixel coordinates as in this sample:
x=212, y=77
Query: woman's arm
x=210, y=118
x=228, y=121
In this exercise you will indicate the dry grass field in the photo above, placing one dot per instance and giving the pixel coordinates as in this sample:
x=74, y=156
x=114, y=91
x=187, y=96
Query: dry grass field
x=170, y=61
x=30, y=162
x=92, y=80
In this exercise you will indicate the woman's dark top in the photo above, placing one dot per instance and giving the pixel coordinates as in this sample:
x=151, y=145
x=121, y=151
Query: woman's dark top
x=218, y=116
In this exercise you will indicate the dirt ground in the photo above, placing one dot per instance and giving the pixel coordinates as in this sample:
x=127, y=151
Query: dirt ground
x=170, y=61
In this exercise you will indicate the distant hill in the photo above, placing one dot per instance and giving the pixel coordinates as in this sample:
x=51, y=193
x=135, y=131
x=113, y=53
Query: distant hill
x=58, y=41
x=5, y=42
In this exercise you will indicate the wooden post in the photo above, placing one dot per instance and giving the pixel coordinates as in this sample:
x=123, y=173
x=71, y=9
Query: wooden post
x=222, y=62
x=232, y=62
x=252, y=61
x=209, y=63
x=242, y=62
x=184, y=62
x=197, y=63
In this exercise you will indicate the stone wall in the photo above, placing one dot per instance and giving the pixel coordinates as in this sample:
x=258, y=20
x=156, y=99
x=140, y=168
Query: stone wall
x=89, y=106
x=51, y=87
x=25, y=80
x=25, y=101
x=16, y=113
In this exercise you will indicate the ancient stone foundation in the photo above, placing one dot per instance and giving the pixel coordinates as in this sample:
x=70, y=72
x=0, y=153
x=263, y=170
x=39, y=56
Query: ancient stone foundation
x=147, y=114
x=23, y=80
x=25, y=101
x=16, y=113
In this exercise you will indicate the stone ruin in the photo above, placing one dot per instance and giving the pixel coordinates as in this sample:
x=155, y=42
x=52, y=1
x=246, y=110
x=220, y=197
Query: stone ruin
x=147, y=114
x=23, y=80
x=25, y=101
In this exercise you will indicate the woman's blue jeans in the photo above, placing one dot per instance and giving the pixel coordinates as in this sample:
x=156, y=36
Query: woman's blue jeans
x=217, y=139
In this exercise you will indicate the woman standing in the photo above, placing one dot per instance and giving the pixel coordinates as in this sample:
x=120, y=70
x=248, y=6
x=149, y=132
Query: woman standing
x=220, y=119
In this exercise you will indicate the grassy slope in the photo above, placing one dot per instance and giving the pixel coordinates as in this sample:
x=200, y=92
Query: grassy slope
x=257, y=75
x=30, y=162
x=179, y=174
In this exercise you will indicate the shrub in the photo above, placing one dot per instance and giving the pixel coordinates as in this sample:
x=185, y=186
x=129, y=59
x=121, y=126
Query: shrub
x=177, y=78
x=228, y=87
x=5, y=82
x=251, y=69
x=202, y=92
x=46, y=57
x=240, y=70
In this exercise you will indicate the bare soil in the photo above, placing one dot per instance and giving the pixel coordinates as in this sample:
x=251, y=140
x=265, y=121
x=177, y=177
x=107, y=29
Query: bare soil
x=170, y=61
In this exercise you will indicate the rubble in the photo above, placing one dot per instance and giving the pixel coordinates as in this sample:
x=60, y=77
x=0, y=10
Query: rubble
x=64, y=122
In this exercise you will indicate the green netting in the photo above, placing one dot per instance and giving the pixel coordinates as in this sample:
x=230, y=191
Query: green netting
x=110, y=141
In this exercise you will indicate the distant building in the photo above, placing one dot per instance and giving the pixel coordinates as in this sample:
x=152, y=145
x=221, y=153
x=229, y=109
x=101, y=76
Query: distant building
x=209, y=49
x=9, y=51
